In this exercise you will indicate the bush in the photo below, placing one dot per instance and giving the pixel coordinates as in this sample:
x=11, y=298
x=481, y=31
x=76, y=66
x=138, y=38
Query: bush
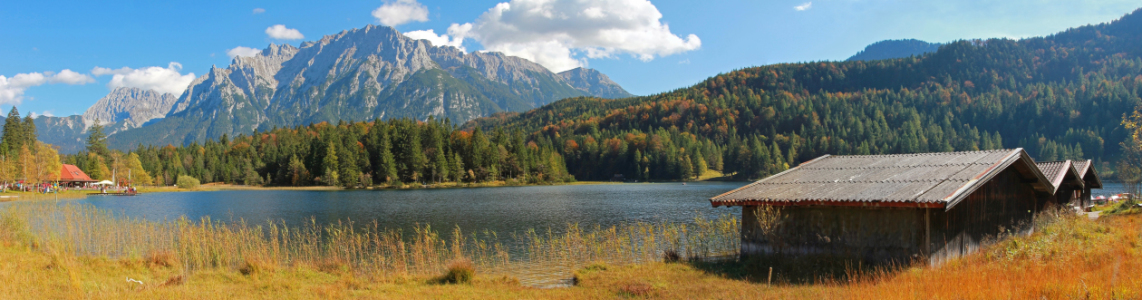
x=164, y=259
x=460, y=271
x=187, y=182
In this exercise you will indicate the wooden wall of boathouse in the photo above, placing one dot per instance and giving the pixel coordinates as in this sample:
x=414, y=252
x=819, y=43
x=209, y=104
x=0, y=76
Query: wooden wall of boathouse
x=1004, y=206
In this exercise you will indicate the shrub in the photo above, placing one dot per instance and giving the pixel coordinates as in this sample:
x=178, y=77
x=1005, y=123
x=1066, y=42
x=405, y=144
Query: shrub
x=671, y=256
x=187, y=182
x=460, y=271
x=252, y=267
x=164, y=259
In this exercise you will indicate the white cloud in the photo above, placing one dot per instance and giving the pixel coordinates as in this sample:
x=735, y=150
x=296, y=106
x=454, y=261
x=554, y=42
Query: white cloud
x=45, y=113
x=804, y=6
x=553, y=32
x=397, y=12
x=242, y=51
x=12, y=88
x=437, y=40
x=159, y=79
x=282, y=33
x=70, y=77
x=259, y=10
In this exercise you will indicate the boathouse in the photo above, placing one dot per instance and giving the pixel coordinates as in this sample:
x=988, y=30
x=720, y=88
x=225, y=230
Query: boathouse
x=881, y=208
x=1069, y=185
x=1090, y=180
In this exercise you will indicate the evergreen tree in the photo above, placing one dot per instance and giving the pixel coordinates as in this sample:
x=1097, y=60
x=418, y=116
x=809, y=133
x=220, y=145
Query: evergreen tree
x=29, y=128
x=96, y=140
x=456, y=167
x=13, y=132
x=329, y=162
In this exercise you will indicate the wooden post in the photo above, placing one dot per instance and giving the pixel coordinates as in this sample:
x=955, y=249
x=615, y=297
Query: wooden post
x=770, y=280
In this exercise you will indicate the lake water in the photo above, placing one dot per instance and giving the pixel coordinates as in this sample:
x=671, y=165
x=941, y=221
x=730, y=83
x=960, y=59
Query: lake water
x=503, y=209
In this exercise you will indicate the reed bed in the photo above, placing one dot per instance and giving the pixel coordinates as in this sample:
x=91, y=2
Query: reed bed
x=347, y=246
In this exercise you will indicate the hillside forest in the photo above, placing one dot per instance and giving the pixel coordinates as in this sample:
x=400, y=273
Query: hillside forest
x=358, y=154
x=1060, y=97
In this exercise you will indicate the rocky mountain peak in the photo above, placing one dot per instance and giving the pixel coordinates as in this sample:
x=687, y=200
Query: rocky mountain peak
x=131, y=106
x=594, y=82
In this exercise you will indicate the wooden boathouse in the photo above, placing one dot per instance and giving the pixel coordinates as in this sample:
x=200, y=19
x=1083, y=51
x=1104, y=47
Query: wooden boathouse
x=1090, y=180
x=881, y=208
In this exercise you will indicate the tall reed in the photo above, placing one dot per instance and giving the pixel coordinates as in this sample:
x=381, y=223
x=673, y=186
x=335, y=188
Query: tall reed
x=363, y=248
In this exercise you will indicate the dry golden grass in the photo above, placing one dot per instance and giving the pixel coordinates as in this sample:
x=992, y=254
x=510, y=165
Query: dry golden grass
x=344, y=246
x=1072, y=257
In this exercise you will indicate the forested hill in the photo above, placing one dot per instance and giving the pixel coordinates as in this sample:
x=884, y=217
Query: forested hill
x=1061, y=96
x=894, y=49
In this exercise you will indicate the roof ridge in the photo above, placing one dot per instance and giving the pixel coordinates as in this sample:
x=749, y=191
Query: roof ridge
x=926, y=153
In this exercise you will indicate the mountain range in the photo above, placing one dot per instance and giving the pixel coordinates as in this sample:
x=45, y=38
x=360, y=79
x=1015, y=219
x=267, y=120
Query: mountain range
x=356, y=75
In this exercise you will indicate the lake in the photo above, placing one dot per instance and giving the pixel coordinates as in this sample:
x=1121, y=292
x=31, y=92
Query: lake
x=500, y=209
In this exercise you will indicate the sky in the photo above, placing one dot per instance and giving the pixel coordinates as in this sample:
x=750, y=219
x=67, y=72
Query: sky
x=59, y=57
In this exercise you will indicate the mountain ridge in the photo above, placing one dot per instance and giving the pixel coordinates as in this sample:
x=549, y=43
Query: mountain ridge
x=357, y=75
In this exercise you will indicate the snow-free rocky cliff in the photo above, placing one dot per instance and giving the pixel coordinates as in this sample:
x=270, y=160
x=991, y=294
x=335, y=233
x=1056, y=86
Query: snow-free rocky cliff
x=360, y=74
x=128, y=107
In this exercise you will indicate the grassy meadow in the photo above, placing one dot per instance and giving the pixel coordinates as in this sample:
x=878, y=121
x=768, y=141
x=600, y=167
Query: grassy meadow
x=69, y=251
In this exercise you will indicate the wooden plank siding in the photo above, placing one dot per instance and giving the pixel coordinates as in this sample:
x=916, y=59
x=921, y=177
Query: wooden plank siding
x=1005, y=205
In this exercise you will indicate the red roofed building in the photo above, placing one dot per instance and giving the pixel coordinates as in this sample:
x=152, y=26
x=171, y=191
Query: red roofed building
x=72, y=175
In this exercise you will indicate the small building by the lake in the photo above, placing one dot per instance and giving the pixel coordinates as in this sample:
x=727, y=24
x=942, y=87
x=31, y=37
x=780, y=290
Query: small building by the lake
x=1073, y=181
x=1090, y=180
x=72, y=176
x=904, y=207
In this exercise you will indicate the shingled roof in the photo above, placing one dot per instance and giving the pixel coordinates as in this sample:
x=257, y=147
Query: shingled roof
x=71, y=173
x=1057, y=171
x=1086, y=172
x=933, y=180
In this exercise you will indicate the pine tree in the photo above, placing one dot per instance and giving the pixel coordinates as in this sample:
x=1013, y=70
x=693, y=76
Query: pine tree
x=456, y=167
x=96, y=140
x=686, y=169
x=13, y=132
x=701, y=167
x=297, y=173
x=329, y=162
x=29, y=128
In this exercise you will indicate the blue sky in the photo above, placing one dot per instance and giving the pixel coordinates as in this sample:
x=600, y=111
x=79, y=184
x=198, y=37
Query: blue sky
x=41, y=39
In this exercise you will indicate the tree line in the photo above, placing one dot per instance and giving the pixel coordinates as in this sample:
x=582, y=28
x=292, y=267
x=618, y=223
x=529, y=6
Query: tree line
x=358, y=154
x=22, y=157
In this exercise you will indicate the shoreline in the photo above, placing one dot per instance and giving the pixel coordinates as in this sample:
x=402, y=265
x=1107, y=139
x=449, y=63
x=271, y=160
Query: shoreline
x=213, y=187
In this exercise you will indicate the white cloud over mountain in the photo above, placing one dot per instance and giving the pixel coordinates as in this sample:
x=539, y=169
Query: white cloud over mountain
x=437, y=40
x=280, y=32
x=562, y=34
x=12, y=88
x=159, y=79
x=397, y=12
x=242, y=51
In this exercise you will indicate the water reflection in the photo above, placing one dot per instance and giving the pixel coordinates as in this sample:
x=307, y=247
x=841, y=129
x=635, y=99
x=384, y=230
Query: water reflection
x=504, y=210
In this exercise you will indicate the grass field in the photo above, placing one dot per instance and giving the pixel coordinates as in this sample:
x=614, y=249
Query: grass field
x=1069, y=257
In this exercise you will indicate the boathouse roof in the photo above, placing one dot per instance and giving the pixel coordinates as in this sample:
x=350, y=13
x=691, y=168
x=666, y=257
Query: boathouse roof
x=932, y=180
x=1058, y=173
x=1087, y=173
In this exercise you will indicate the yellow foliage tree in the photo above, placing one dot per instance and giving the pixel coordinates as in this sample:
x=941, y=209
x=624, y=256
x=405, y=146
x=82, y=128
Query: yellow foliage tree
x=25, y=165
x=46, y=163
x=136, y=171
